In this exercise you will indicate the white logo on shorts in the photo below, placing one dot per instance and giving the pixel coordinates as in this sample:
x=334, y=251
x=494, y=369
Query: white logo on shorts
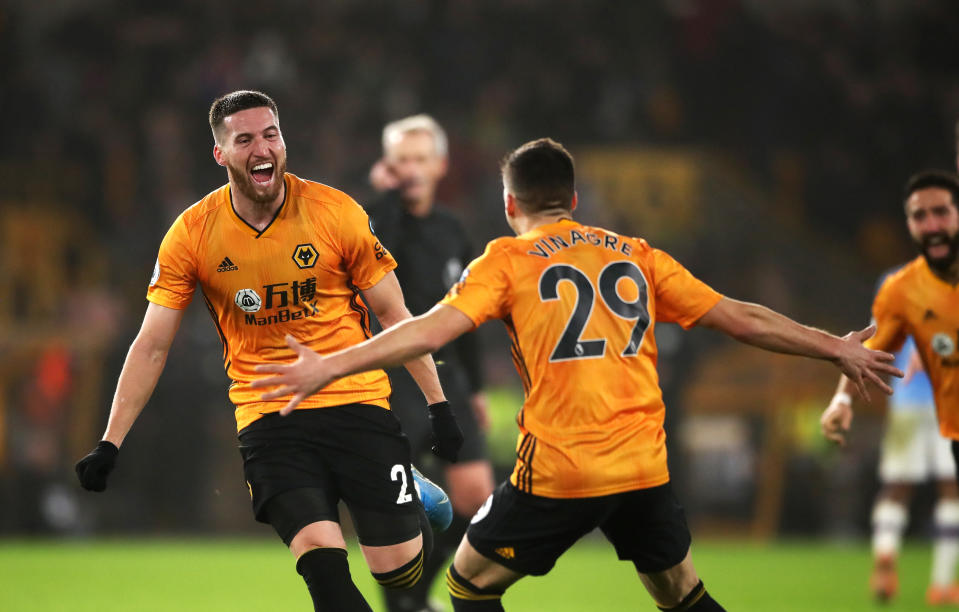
x=943, y=344
x=483, y=511
x=248, y=300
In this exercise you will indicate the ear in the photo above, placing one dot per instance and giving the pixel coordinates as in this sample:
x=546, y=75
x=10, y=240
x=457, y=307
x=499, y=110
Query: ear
x=575, y=201
x=444, y=166
x=218, y=155
x=510, y=205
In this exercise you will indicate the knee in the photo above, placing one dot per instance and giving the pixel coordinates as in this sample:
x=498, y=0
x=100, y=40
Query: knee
x=672, y=586
x=463, y=590
x=323, y=534
x=405, y=576
x=899, y=493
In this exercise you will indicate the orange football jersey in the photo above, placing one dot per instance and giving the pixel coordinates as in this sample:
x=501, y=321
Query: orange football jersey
x=915, y=302
x=301, y=275
x=579, y=304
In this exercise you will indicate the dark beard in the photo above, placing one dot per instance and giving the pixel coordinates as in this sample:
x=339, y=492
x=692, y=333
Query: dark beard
x=940, y=264
x=245, y=185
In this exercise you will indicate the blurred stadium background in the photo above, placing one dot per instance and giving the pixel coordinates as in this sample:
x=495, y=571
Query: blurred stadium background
x=763, y=143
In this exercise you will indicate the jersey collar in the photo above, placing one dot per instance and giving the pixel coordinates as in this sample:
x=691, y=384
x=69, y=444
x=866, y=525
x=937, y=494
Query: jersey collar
x=279, y=211
x=551, y=227
x=928, y=271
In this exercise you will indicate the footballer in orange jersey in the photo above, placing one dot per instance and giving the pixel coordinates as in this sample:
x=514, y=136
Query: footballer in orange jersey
x=300, y=274
x=579, y=303
x=920, y=300
x=276, y=255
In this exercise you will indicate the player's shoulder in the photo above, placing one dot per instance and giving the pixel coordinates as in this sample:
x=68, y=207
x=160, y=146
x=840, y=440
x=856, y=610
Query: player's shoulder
x=613, y=241
x=903, y=278
x=206, y=206
x=314, y=193
x=504, y=245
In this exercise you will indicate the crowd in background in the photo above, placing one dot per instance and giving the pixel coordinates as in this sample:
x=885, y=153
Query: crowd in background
x=810, y=116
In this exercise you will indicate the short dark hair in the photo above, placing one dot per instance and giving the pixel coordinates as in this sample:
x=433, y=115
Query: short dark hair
x=925, y=179
x=541, y=175
x=237, y=101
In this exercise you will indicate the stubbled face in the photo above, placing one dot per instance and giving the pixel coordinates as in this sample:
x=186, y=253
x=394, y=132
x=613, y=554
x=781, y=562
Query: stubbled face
x=251, y=147
x=933, y=221
x=418, y=167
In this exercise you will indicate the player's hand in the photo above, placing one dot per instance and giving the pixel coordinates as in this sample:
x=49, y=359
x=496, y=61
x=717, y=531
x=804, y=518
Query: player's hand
x=93, y=469
x=860, y=364
x=447, y=437
x=480, y=407
x=302, y=378
x=836, y=419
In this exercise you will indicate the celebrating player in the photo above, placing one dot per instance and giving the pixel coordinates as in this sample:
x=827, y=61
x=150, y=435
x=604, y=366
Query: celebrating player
x=920, y=300
x=274, y=255
x=579, y=304
x=431, y=248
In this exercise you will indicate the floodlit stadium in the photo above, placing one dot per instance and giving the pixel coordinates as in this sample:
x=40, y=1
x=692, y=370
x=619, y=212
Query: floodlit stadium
x=763, y=145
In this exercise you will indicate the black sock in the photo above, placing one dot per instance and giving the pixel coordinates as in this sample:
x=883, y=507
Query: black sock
x=327, y=576
x=698, y=600
x=403, y=577
x=445, y=544
x=467, y=597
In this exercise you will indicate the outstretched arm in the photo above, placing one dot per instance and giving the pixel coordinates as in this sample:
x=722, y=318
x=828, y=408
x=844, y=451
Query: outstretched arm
x=767, y=329
x=400, y=343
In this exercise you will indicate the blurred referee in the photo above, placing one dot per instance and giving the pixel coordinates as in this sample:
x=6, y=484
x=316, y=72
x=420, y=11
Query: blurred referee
x=431, y=248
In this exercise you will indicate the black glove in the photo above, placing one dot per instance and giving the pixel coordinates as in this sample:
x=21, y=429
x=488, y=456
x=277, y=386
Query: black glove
x=447, y=437
x=93, y=469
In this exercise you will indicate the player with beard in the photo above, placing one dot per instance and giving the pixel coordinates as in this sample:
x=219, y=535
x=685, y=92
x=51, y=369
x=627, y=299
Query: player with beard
x=920, y=300
x=275, y=254
x=431, y=248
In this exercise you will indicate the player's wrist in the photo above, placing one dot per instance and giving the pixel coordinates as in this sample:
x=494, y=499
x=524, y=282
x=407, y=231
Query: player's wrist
x=440, y=406
x=841, y=397
x=114, y=440
x=337, y=367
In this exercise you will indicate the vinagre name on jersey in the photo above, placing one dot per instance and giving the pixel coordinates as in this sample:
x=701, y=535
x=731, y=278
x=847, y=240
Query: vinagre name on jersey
x=554, y=243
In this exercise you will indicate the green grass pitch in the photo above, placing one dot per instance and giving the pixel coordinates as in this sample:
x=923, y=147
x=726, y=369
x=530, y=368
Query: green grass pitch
x=258, y=575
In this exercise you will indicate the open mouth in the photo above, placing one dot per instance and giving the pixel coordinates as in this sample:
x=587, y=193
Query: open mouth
x=937, y=246
x=262, y=173
x=937, y=251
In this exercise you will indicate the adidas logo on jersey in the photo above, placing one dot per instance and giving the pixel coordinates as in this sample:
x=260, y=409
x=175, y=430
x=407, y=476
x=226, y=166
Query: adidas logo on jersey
x=226, y=265
x=929, y=315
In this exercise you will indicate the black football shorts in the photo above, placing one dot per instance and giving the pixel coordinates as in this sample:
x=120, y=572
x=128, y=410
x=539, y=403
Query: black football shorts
x=298, y=468
x=528, y=533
